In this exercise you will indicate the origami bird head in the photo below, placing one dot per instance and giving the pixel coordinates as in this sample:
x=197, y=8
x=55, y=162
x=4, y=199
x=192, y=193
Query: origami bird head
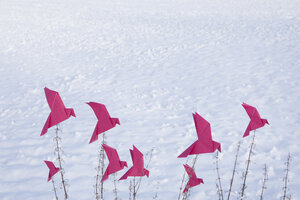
x=255, y=120
x=216, y=145
x=265, y=121
x=58, y=112
x=52, y=169
x=115, y=121
x=146, y=172
x=123, y=164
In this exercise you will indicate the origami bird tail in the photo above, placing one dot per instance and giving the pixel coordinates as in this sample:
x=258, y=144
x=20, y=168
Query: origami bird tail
x=94, y=136
x=126, y=174
x=105, y=175
x=187, y=187
x=46, y=126
x=247, y=132
x=188, y=151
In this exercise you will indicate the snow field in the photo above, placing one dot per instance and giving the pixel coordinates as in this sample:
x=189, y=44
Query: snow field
x=152, y=63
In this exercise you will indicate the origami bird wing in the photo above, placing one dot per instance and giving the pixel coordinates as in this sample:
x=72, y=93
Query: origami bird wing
x=251, y=111
x=112, y=155
x=190, y=171
x=100, y=111
x=202, y=127
x=53, y=99
x=137, y=159
x=190, y=150
x=52, y=169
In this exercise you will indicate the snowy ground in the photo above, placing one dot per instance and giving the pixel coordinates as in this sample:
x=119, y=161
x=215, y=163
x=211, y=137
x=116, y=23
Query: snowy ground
x=153, y=63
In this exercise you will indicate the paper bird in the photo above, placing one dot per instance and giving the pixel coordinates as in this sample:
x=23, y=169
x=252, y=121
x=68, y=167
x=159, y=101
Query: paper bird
x=138, y=165
x=58, y=112
x=105, y=122
x=114, y=162
x=193, y=180
x=255, y=120
x=204, y=144
x=52, y=169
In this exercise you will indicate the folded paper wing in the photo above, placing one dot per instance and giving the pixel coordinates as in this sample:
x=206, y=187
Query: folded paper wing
x=115, y=164
x=255, y=120
x=204, y=144
x=193, y=180
x=52, y=169
x=138, y=165
x=105, y=122
x=58, y=112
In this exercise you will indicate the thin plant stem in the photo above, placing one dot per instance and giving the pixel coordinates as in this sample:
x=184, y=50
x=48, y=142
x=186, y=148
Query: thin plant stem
x=115, y=187
x=220, y=191
x=285, y=179
x=264, y=182
x=60, y=161
x=247, y=168
x=234, y=169
x=130, y=190
x=54, y=189
x=100, y=169
x=134, y=189
x=181, y=185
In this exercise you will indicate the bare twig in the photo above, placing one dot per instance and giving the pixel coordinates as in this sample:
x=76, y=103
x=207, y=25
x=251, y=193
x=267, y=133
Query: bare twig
x=54, y=189
x=147, y=165
x=115, y=190
x=57, y=149
x=157, y=188
x=247, y=168
x=219, y=185
x=181, y=185
x=130, y=190
x=264, y=182
x=234, y=169
x=286, y=178
x=100, y=169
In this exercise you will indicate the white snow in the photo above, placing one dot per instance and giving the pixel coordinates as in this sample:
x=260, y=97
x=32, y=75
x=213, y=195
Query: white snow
x=152, y=63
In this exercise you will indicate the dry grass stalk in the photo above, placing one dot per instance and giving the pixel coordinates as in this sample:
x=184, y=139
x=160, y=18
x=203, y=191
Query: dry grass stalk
x=59, y=159
x=234, y=169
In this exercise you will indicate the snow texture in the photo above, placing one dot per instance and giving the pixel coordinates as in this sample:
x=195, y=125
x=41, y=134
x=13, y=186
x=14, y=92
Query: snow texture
x=152, y=63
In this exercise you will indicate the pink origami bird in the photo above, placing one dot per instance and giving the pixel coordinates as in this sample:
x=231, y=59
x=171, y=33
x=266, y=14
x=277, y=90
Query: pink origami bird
x=105, y=122
x=138, y=165
x=193, y=180
x=114, y=162
x=204, y=144
x=58, y=112
x=52, y=169
x=255, y=120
